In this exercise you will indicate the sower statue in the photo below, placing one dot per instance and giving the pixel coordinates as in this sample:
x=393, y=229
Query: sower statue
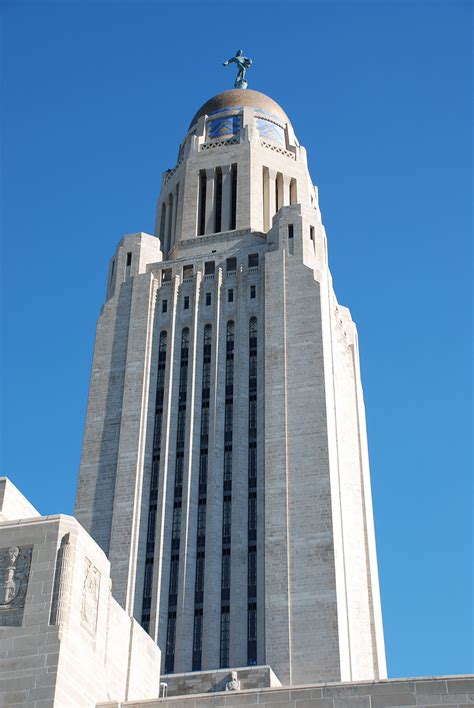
x=243, y=63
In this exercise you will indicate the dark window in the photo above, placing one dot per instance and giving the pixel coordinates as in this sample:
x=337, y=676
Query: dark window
x=230, y=295
x=208, y=299
x=170, y=642
x=252, y=634
x=148, y=578
x=201, y=525
x=205, y=421
x=166, y=274
x=218, y=209
x=188, y=271
x=197, y=643
x=231, y=264
x=225, y=570
x=253, y=292
x=203, y=468
x=290, y=231
x=311, y=235
x=174, y=569
x=186, y=302
x=253, y=260
x=129, y=259
x=200, y=572
x=226, y=517
x=164, y=306
x=252, y=573
x=233, y=211
x=224, y=638
x=209, y=268
x=252, y=511
x=227, y=465
x=202, y=203
x=176, y=529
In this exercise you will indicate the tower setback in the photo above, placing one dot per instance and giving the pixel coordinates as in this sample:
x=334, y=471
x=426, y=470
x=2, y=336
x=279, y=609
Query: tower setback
x=224, y=468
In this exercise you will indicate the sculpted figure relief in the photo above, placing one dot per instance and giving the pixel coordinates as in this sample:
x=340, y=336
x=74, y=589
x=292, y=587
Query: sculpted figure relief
x=234, y=684
x=243, y=64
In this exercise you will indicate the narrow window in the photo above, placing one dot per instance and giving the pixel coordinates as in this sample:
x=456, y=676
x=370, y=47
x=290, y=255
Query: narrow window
x=153, y=498
x=112, y=271
x=164, y=306
x=129, y=259
x=311, y=235
x=291, y=246
x=162, y=227
x=231, y=265
x=233, y=212
x=197, y=639
x=202, y=203
x=218, y=202
x=224, y=638
x=186, y=302
x=170, y=642
x=170, y=222
x=253, y=260
x=230, y=295
x=252, y=497
x=166, y=274
x=252, y=634
x=209, y=267
x=208, y=299
x=253, y=292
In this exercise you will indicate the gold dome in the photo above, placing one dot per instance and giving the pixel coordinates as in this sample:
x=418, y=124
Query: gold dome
x=236, y=98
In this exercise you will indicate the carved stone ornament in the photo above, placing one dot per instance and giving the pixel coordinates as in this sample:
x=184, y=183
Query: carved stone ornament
x=15, y=566
x=90, y=598
x=233, y=684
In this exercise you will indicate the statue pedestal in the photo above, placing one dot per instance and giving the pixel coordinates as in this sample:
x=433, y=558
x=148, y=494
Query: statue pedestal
x=241, y=84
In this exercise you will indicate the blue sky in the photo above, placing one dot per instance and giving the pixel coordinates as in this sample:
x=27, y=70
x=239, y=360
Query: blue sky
x=96, y=98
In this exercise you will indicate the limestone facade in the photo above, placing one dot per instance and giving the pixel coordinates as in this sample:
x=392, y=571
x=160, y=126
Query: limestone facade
x=64, y=640
x=224, y=469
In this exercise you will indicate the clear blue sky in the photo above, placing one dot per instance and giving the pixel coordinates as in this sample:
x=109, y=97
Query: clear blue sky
x=96, y=98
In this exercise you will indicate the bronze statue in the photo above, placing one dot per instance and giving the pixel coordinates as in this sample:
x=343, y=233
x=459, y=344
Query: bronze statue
x=243, y=64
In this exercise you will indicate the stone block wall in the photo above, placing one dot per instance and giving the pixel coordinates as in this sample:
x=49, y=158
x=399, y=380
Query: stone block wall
x=64, y=641
x=452, y=691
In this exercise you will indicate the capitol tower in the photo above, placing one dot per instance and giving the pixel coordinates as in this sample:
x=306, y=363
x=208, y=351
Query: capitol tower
x=224, y=469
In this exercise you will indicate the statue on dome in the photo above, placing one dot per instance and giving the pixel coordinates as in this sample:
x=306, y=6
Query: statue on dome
x=243, y=64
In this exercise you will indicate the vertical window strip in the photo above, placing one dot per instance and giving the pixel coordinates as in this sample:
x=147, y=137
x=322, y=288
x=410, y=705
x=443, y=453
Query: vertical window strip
x=177, y=503
x=155, y=468
x=227, y=500
x=201, y=217
x=252, y=498
x=202, y=504
x=233, y=211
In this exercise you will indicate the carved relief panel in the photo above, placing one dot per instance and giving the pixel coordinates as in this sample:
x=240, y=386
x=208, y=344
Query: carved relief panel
x=90, y=598
x=15, y=566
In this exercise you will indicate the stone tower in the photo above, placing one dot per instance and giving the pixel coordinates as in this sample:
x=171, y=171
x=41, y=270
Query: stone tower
x=224, y=468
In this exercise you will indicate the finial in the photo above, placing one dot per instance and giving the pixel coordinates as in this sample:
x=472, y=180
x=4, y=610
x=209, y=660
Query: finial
x=243, y=64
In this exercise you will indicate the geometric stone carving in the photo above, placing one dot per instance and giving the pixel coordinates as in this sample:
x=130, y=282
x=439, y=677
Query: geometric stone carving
x=15, y=566
x=90, y=598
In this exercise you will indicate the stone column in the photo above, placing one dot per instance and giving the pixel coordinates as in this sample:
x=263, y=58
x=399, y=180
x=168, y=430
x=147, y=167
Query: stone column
x=272, y=205
x=226, y=214
x=62, y=585
x=210, y=200
x=286, y=190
